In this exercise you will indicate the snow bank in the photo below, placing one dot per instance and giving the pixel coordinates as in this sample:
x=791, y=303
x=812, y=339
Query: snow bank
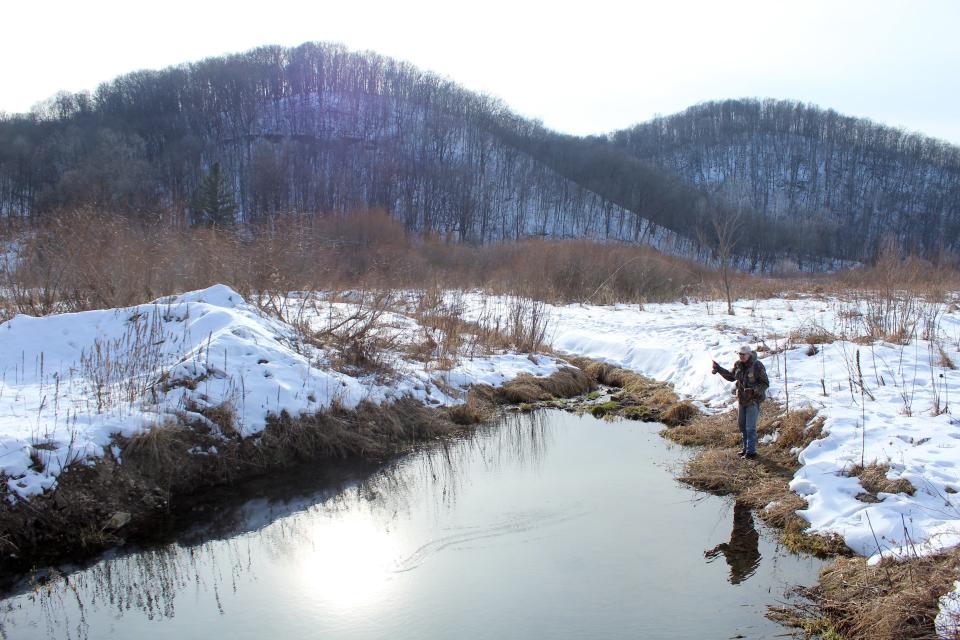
x=69, y=383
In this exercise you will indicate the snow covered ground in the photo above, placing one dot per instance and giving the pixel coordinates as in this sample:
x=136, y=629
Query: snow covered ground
x=69, y=382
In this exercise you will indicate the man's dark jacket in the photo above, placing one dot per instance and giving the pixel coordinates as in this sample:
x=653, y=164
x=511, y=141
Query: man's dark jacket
x=751, y=379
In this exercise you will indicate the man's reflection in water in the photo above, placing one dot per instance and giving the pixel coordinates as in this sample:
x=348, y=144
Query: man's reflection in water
x=742, y=553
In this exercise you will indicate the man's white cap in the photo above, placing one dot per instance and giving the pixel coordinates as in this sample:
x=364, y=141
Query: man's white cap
x=745, y=350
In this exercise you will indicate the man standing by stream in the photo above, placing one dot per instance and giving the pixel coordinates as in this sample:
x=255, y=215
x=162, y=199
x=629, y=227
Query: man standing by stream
x=751, y=389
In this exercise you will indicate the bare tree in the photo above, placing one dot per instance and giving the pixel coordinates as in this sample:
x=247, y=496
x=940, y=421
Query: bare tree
x=722, y=236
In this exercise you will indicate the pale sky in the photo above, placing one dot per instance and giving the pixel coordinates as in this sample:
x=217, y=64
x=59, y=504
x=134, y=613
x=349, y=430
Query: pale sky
x=581, y=67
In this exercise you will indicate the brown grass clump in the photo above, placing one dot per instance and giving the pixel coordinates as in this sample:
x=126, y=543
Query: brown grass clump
x=679, y=413
x=523, y=388
x=795, y=538
x=894, y=600
x=777, y=504
x=565, y=383
x=796, y=430
x=224, y=416
x=812, y=335
x=474, y=411
x=721, y=471
x=600, y=372
x=718, y=430
x=874, y=480
x=371, y=431
x=160, y=451
x=641, y=398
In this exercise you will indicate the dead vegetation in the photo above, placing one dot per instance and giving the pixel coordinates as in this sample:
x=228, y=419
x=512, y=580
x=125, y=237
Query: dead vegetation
x=873, y=478
x=892, y=600
x=90, y=259
x=812, y=335
x=565, y=383
x=640, y=398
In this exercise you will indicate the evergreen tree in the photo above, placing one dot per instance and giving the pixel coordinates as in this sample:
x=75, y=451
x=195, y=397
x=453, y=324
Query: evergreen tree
x=214, y=205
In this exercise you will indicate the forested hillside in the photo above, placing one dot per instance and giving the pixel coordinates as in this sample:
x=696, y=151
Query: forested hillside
x=310, y=129
x=793, y=161
x=318, y=129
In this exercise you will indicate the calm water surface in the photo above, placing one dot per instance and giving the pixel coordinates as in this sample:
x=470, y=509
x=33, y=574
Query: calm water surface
x=549, y=525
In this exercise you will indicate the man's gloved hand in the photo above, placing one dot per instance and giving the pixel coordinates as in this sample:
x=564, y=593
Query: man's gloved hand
x=716, y=367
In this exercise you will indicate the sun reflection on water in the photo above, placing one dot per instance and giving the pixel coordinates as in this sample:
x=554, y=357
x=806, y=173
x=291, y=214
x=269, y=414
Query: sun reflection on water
x=351, y=562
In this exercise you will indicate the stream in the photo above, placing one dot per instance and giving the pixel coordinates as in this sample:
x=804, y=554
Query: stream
x=544, y=525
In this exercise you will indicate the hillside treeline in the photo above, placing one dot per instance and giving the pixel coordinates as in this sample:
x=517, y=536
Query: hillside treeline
x=310, y=129
x=794, y=161
x=317, y=129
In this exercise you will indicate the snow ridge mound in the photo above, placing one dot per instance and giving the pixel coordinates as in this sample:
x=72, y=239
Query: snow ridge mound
x=69, y=383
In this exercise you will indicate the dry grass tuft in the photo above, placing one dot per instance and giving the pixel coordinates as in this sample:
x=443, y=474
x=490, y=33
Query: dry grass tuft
x=774, y=500
x=795, y=538
x=894, y=600
x=600, y=372
x=721, y=471
x=474, y=411
x=812, y=335
x=874, y=480
x=679, y=413
x=796, y=429
x=565, y=383
x=718, y=430
x=160, y=451
x=223, y=415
